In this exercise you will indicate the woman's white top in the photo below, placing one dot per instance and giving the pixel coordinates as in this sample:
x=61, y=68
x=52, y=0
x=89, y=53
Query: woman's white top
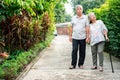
x=96, y=32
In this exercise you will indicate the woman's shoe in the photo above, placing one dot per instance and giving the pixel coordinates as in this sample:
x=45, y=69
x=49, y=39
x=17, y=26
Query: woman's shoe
x=94, y=67
x=101, y=69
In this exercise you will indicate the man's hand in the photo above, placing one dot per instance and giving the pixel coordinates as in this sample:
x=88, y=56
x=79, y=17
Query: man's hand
x=70, y=38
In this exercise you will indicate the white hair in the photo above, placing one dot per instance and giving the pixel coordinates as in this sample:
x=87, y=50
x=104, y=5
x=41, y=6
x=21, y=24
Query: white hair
x=79, y=6
x=91, y=13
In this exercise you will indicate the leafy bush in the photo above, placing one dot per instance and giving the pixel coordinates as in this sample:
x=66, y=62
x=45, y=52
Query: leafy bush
x=10, y=69
x=22, y=34
x=25, y=22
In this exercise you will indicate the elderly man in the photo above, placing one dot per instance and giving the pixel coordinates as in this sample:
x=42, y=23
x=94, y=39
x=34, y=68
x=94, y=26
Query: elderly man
x=79, y=35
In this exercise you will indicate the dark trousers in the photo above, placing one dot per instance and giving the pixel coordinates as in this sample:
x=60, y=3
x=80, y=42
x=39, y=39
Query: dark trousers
x=81, y=45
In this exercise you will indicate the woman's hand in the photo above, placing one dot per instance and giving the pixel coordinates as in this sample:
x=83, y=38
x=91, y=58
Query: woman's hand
x=105, y=34
x=107, y=39
x=87, y=40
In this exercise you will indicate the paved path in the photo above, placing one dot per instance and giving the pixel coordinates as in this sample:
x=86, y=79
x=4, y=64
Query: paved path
x=55, y=60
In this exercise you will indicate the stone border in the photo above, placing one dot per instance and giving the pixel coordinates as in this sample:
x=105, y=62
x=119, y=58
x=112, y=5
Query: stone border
x=29, y=66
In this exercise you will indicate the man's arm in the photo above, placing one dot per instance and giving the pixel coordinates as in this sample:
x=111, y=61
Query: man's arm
x=87, y=30
x=87, y=34
x=70, y=33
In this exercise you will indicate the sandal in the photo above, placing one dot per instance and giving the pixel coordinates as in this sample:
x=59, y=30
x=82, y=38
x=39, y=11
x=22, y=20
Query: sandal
x=71, y=67
x=101, y=69
x=81, y=67
x=94, y=67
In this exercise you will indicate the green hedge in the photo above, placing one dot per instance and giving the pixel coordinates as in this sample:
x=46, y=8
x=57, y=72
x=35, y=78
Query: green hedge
x=10, y=69
x=109, y=12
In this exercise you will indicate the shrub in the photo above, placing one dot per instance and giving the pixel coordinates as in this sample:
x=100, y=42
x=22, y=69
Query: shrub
x=10, y=69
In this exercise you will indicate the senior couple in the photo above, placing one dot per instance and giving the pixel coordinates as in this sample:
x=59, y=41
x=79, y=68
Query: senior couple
x=87, y=30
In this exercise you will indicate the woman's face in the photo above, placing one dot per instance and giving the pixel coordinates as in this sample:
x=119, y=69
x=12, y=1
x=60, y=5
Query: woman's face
x=92, y=17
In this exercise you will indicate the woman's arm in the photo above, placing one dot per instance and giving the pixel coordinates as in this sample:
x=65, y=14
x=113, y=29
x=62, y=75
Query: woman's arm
x=105, y=32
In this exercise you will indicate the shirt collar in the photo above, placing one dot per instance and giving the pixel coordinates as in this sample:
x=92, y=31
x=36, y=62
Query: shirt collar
x=82, y=17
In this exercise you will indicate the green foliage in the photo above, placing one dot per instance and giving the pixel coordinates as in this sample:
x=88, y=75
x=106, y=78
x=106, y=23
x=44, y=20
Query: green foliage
x=110, y=14
x=24, y=23
x=8, y=8
x=68, y=17
x=60, y=11
x=87, y=4
x=10, y=69
x=1, y=72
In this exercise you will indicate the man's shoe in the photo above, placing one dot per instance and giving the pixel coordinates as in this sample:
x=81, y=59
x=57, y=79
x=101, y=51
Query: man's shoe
x=81, y=67
x=71, y=67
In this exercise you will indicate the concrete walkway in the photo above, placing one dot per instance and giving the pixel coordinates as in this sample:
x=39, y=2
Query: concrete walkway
x=54, y=61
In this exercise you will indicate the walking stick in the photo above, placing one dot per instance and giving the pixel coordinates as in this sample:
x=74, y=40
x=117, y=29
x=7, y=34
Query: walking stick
x=110, y=59
x=111, y=63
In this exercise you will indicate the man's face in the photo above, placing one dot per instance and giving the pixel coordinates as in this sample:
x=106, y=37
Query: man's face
x=79, y=10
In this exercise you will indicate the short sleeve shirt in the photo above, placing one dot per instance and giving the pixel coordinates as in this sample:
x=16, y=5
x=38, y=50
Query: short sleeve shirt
x=96, y=32
x=79, y=27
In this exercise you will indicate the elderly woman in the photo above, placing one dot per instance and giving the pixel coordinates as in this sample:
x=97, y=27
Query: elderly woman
x=98, y=35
